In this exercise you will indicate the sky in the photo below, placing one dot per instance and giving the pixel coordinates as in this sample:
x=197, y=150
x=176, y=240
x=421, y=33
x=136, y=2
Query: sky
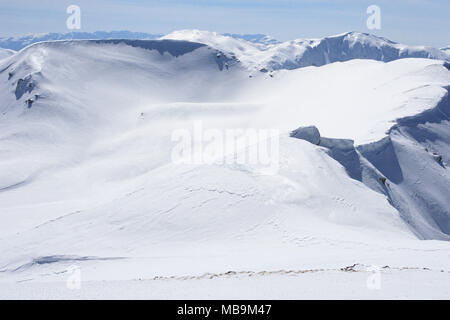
x=413, y=22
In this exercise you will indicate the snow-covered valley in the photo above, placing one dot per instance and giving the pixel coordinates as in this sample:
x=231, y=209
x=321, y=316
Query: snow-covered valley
x=87, y=177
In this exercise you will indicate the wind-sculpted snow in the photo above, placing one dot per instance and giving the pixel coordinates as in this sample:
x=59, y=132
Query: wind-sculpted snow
x=175, y=48
x=87, y=175
x=5, y=53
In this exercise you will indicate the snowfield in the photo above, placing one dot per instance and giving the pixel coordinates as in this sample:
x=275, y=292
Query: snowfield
x=87, y=181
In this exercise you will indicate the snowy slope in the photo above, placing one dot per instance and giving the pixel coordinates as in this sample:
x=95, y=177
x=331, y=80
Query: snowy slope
x=309, y=52
x=20, y=42
x=86, y=174
x=4, y=53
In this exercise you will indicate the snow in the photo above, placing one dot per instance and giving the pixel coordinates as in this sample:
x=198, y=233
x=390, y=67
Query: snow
x=262, y=52
x=309, y=52
x=404, y=284
x=5, y=53
x=86, y=176
x=256, y=38
x=21, y=41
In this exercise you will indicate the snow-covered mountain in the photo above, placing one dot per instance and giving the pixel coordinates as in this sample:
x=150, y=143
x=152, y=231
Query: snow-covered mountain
x=20, y=42
x=310, y=52
x=87, y=176
x=261, y=52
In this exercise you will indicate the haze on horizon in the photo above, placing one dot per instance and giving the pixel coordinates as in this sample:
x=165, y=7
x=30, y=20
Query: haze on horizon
x=413, y=22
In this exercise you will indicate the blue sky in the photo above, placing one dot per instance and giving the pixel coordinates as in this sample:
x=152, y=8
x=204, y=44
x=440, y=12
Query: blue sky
x=424, y=22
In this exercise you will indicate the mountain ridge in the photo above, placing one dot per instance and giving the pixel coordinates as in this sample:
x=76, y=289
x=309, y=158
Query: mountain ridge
x=270, y=53
x=310, y=52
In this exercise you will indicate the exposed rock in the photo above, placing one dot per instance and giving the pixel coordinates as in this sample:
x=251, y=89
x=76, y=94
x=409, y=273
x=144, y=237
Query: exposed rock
x=310, y=134
x=23, y=86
